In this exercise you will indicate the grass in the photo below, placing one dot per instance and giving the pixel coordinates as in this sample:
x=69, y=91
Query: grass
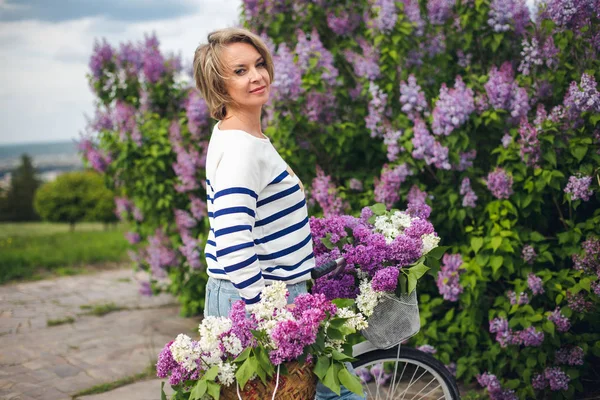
x=30, y=251
x=149, y=372
x=101, y=309
x=56, y=322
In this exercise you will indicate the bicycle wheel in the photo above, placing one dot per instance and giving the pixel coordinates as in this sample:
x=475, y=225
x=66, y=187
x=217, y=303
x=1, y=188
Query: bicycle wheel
x=411, y=375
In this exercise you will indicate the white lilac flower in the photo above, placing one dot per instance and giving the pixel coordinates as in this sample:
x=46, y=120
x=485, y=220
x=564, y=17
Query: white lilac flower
x=401, y=220
x=210, y=329
x=367, y=299
x=232, y=344
x=430, y=242
x=226, y=373
x=185, y=352
x=272, y=297
x=355, y=321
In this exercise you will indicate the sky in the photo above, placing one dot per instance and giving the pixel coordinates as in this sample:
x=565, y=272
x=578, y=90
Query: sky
x=45, y=47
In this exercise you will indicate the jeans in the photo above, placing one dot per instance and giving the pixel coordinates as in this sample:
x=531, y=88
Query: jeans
x=221, y=294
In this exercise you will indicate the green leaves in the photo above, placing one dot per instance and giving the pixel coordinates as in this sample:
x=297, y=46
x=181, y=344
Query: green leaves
x=352, y=382
x=476, y=243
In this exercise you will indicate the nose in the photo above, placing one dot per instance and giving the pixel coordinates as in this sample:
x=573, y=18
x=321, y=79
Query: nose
x=254, y=75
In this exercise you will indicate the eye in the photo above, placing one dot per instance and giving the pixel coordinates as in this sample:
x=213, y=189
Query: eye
x=261, y=64
x=239, y=71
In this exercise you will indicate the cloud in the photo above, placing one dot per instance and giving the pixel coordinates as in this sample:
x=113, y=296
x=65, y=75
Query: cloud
x=119, y=10
x=44, y=91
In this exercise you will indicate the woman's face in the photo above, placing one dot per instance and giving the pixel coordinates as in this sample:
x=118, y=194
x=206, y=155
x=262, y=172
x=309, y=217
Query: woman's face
x=248, y=81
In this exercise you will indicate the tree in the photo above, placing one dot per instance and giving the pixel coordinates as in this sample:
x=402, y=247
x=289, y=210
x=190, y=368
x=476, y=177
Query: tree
x=18, y=205
x=74, y=197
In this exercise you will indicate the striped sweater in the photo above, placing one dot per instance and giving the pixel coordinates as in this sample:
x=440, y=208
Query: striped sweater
x=259, y=231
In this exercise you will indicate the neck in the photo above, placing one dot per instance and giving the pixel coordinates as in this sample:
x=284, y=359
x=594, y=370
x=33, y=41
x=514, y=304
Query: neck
x=248, y=120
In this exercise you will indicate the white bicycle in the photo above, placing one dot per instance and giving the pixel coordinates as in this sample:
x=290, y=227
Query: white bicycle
x=393, y=371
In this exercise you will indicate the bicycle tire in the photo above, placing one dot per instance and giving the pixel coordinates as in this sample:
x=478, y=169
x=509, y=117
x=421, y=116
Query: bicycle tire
x=414, y=356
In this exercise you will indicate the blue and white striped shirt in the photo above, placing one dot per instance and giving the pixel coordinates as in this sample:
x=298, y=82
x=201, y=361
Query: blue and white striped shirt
x=257, y=213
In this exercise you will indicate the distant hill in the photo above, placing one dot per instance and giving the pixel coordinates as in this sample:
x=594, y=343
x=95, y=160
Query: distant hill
x=47, y=156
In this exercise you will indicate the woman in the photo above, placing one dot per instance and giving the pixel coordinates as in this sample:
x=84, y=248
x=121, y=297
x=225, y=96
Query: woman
x=256, y=205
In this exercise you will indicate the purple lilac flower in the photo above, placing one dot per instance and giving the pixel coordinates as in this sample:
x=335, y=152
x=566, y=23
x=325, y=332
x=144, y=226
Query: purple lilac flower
x=577, y=302
x=539, y=382
x=184, y=220
x=132, y=237
x=550, y=52
x=596, y=288
x=154, y=62
x=190, y=251
x=438, y=11
x=427, y=148
x=188, y=162
x=504, y=93
x=562, y=323
x=387, y=188
x=97, y=159
x=385, y=280
x=241, y=326
x=124, y=116
x=500, y=183
x=367, y=64
x=522, y=299
x=413, y=13
x=376, y=111
x=129, y=58
x=417, y=207
x=435, y=44
x=378, y=372
x=448, y=277
x=570, y=355
x=531, y=54
x=530, y=145
x=535, y=284
x=464, y=60
x=344, y=24
x=364, y=374
x=165, y=363
x=571, y=14
x=313, y=48
x=291, y=337
x=492, y=384
x=198, y=207
x=145, y=289
x=506, y=140
x=579, y=188
x=197, y=115
x=137, y=214
x=390, y=140
x=320, y=107
x=324, y=192
x=582, y=97
x=469, y=196
x=452, y=368
x=466, y=160
x=590, y=261
x=557, y=379
x=531, y=337
x=101, y=55
x=504, y=13
x=122, y=207
x=355, y=184
x=504, y=335
x=102, y=121
x=452, y=108
x=159, y=255
x=287, y=86
x=412, y=98
x=427, y=348
x=528, y=254
x=340, y=287
x=386, y=15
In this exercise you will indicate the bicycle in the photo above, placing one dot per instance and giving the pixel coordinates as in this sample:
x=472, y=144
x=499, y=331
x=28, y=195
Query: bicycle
x=400, y=372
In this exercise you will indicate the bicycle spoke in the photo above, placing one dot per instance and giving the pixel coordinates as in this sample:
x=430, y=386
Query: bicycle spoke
x=425, y=387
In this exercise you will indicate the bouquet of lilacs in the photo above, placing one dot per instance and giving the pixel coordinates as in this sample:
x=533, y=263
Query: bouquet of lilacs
x=257, y=341
x=385, y=252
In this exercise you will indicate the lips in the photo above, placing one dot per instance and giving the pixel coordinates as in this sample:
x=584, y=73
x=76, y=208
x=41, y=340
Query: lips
x=258, y=89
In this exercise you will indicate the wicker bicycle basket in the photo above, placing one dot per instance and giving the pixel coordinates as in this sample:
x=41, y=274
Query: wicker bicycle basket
x=394, y=320
x=299, y=384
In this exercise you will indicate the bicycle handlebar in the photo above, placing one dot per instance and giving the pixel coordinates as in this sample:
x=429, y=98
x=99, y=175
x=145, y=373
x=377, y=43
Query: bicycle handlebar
x=330, y=266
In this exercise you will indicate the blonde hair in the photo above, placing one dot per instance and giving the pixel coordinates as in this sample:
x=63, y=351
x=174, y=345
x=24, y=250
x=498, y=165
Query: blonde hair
x=209, y=69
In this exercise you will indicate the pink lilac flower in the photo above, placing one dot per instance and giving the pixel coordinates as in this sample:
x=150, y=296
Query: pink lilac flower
x=448, y=277
x=579, y=188
x=438, y=11
x=535, y=284
x=137, y=214
x=500, y=183
x=367, y=64
x=528, y=254
x=343, y=24
x=569, y=355
x=313, y=48
x=159, y=254
x=355, y=184
x=388, y=186
x=197, y=114
x=385, y=280
x=101, y=56
x=453, y=107
x=504, y=13
x=562, y=323
x=376, y=111
x=427, y=348
x=469, y=196
x=324, y=192
x=291, y=337
x=132, y=237
x=531, y=337
x=577, y=302
x=412, y=98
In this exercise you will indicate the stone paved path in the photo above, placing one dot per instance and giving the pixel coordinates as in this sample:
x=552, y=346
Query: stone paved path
x=55, y=362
